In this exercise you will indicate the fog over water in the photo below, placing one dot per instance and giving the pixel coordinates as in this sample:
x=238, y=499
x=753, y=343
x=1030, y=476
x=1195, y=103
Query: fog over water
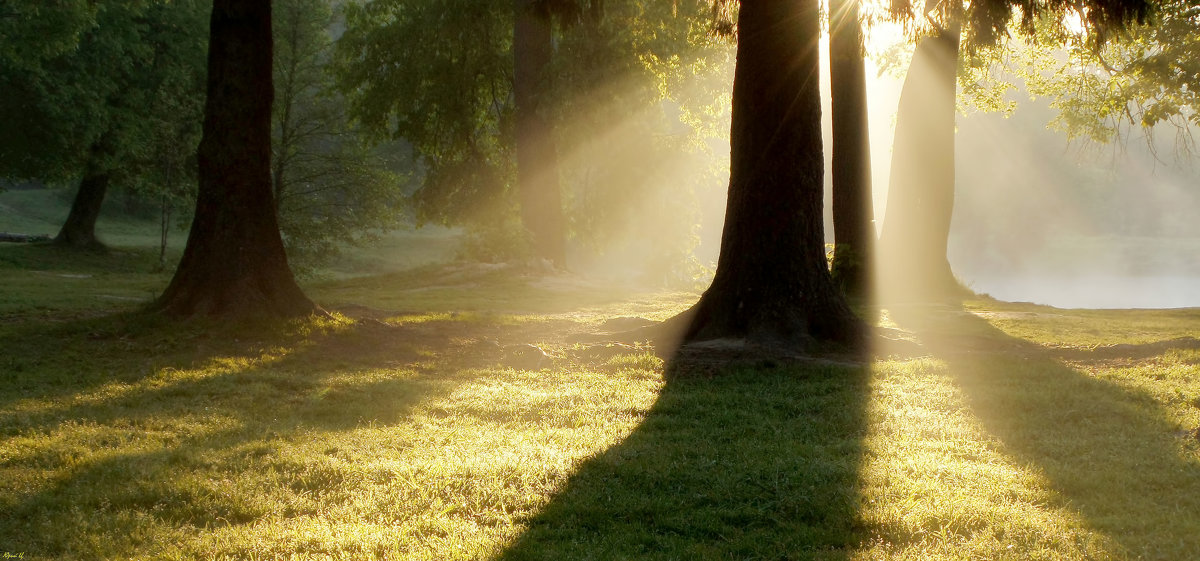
x=1042, y=219
x=1073, y=225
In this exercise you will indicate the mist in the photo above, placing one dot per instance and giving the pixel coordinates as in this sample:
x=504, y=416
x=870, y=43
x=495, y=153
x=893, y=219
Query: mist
x=1038, y=217
x=1073, y=224
x=1042, y=218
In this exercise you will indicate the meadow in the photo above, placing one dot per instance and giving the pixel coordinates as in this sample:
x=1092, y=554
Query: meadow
x=449, y=410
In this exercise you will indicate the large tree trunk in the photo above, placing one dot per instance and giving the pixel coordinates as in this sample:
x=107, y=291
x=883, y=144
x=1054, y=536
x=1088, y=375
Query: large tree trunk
x=234, y=263
x=853, y=212
x=916, y=226
x=537, y=161
x=772, y=285
x=79, y=230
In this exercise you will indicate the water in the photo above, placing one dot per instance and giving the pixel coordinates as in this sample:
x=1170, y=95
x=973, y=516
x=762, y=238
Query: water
x=1094, y=290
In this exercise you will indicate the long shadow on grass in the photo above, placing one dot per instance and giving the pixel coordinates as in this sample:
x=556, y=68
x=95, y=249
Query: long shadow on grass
x=115, y=452
x=751, y=465
x=1106, y=449
x=60, y=355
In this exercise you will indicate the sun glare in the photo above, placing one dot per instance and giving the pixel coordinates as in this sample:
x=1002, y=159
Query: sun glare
x=1073, y=23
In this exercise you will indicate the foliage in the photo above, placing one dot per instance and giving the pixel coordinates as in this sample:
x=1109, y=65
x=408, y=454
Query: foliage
x=331, y=186
x=36, y=31
x=1148, y=77
x=617, y=84
x=115, y=89
x=446, y=93
x=642, y=97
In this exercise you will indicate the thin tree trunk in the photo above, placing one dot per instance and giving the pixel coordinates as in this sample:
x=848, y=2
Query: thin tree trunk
x=916, y=227
x=537, y=161
x=853, y=212
x=164, y=228
x=234, y=263
x=772, y=285
x=79, y=230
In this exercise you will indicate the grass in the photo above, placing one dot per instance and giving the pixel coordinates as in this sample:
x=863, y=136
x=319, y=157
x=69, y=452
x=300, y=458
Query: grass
x=413, y=425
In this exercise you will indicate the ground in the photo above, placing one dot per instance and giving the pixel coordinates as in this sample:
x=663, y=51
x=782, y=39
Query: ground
x=463, y=411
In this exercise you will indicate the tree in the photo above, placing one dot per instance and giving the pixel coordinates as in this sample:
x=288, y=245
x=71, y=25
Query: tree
x=537, y=161
x=447, y=94
x=331, y=186
x=641, y=103
x=853, y=213
x=1148, y=76
x=772, y=285
x=453, y=96
x=916, y=226
x=474, y=105
x=81, y=105
x=234, y=263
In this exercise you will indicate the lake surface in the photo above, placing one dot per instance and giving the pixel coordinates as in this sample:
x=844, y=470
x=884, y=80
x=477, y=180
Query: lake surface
x=1093, y=291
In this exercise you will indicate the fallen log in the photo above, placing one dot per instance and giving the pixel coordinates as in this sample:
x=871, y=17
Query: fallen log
x=23, y=238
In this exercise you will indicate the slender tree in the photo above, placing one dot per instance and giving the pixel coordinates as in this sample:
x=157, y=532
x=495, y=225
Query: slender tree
x=772, y=286
x=916, y=226
x=853, y=212
x=234, y=263
x=537, y=161
x=331, y=187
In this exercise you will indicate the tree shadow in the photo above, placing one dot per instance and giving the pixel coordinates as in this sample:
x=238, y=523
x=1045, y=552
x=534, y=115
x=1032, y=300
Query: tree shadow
x=162, y=442
x=752, y=464
x=1108, y=450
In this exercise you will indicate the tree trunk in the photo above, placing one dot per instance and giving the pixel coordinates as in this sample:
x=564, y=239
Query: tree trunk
x=772, y=285
x=234, y=263
x=916, y=226
x=164, y=230
x=853, y=212
x=79, y=231
x=537, y=162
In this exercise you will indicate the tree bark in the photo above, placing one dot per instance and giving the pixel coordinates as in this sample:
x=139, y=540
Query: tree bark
x=916, y=227
x=853, y=212
x=234, y=262
x=79, y=230
x=537, y=162
x=772, y=285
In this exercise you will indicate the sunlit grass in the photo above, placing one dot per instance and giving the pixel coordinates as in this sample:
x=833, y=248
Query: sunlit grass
x=1005, y=447
x=329, y=453
x=939, y=486
x=416, y=433
x=1088, y=328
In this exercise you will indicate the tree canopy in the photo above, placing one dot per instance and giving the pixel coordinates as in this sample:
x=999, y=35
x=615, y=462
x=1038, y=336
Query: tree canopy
x=451, y=96
x=90, y=91
x=1149, y=76
x=111, y=97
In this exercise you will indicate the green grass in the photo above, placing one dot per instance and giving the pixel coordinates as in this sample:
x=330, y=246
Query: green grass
x=42, y=211
x=430, y=436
